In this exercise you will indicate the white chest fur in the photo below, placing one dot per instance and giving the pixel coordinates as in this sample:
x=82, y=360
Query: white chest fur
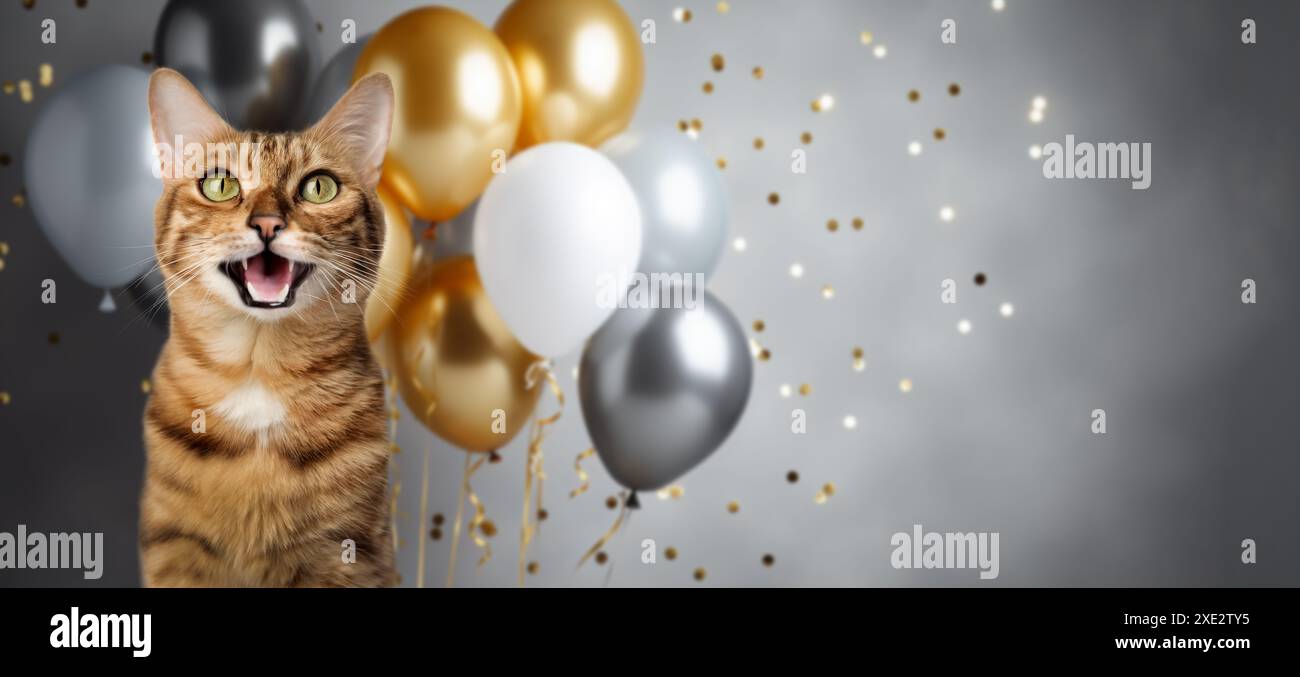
x=252, y=406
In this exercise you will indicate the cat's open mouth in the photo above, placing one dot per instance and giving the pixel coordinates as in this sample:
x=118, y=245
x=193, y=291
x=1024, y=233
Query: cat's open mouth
x=267, y=280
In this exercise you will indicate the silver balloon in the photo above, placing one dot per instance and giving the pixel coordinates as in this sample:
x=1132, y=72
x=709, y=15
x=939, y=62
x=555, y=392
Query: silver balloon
x=333, y=81
x=89, y=170
x=254, y=60
x=683, y=200
x=661, y=389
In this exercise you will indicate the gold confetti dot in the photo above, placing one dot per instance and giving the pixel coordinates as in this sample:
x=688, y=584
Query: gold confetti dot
x=707, y=87
x=820, y=497
x=19, y=200
x=722, y=163
x=146, y=58
x=533, y=567
x=4, y=248
x=145, y=385
x=758, y=143
x=542, y=515
x=9, y=87
x=905, y=385
x=28, y=4
x=805, y=389
x=768, y=560
x=682, y=15
x=806, y=137
x=832, y=225
x=683, y=125
x=25, y=90
x=724, y=7
x=823, y=103
x=717, y=62
x=828, y=292
x=858, y=223
x=939, y=134
x=792, y=477
x=435, y=534
x=611, y=502
x=696, y=124
x=828, y=488
x=913, y=96
x=772, y=199
x=5, y=398
x=758, y=72
x=700, y=573
x=764, y=355
x=81, y=4
x=733, y=507
x=674, y=492
x=759, y=325
x=488, y=528
x=438, y=519
x=46, y=77
x=954, y=89
x=865, y=37
x=671, y=553
x=601, y=557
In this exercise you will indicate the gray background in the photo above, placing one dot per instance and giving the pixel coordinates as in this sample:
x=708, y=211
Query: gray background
x=1125, y=300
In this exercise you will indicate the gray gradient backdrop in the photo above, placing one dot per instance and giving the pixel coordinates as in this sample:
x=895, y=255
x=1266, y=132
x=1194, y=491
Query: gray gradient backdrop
x=1125, y=300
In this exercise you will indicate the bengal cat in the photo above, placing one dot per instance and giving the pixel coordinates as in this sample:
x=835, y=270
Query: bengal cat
x=266, y=428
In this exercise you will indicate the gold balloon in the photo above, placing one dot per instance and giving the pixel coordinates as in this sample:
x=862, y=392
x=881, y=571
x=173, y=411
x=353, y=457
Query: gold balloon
x=580, y=66
x=457, y=104
x=394, y=267
x=458, y=367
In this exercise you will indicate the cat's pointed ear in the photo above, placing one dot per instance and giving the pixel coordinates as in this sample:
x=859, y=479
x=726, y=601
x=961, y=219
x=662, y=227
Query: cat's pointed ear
x=177, y=109
x=362, y=120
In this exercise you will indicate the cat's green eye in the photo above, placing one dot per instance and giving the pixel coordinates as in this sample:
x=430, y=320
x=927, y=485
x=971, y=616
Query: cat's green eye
x=220, y=188
x=319, y=188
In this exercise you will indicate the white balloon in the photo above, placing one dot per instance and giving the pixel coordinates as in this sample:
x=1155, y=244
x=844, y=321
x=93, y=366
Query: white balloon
x=89, y=169
x=552, y=233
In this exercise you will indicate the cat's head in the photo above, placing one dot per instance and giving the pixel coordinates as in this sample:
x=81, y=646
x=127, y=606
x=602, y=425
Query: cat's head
x=269, y=225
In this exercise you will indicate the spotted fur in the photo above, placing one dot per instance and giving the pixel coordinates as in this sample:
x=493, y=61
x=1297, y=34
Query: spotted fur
x=265, y=429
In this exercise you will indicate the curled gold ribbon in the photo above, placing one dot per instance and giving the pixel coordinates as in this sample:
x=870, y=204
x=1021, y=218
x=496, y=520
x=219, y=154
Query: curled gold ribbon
x=613, y=529
x=533, y=463
x=584, y=479
x=480, y=515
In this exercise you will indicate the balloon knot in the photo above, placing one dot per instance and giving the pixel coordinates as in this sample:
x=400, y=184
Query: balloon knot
x=633, y=503
x=494, y=457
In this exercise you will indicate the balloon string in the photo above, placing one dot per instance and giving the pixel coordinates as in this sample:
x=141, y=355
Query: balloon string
x=534, y=469
x=424, y=509
x=618, y=522
x=455, y=531
x=480, y=515
x=395, y=468
x=584, y=479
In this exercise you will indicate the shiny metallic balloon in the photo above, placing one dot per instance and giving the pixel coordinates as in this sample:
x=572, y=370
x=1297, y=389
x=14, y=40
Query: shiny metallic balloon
x=333, y=82
x=683, y=200
x=254, y=60
x=661, y=389
x=89, y=170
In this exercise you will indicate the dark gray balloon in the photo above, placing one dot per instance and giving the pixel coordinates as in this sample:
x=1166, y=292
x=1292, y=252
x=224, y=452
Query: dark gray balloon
x=254, y=60
x=661, y=389
x=333, y=81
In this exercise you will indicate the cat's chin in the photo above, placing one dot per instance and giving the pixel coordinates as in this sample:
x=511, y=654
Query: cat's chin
x=267, y=282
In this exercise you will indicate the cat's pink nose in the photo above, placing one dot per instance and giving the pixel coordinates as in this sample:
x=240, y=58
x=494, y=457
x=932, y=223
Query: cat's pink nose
x=266, y=225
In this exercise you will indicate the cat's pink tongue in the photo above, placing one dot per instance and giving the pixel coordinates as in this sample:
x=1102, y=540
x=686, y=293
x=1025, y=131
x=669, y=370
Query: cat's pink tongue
x=268, y=281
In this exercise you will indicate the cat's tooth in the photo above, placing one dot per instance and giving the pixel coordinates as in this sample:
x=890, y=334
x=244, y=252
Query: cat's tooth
x=245, y=261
